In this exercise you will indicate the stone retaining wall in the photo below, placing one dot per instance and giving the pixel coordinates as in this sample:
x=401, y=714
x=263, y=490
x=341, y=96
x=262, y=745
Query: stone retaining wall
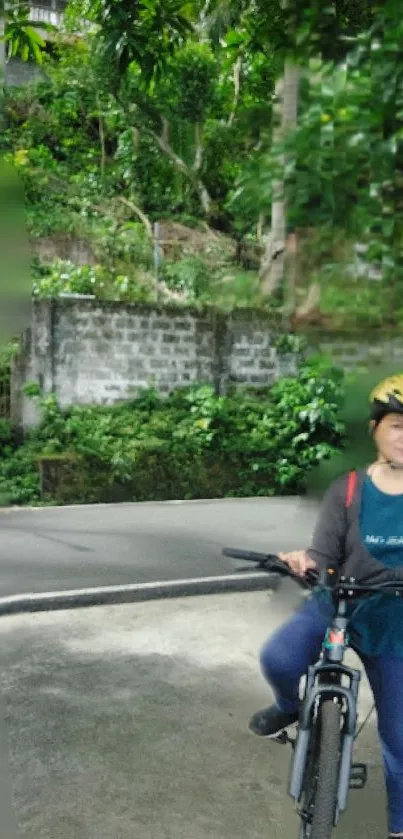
x=85, y=351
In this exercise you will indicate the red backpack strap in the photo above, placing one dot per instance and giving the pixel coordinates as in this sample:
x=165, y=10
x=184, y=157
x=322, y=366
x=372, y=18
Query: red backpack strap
x=350, y=488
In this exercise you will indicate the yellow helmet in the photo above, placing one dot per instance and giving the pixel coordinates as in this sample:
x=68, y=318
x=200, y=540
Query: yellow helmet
x=387, y=397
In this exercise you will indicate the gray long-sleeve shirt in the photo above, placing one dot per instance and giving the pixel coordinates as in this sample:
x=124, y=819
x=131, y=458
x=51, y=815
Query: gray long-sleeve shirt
x=337, y=538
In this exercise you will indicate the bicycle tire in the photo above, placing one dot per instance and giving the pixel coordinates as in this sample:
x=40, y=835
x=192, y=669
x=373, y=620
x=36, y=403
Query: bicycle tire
x=327, y=770
x=309, y=784
x=321, y=774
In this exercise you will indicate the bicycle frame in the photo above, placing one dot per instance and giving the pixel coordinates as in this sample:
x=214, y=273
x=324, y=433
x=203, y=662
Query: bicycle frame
x=325, y=680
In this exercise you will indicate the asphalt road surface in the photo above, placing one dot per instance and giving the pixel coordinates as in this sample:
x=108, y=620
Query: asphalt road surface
x=54, y=549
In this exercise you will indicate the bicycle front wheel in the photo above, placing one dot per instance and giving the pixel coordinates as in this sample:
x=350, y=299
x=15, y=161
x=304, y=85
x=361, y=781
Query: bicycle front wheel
x=319, y=797
x=327, y=770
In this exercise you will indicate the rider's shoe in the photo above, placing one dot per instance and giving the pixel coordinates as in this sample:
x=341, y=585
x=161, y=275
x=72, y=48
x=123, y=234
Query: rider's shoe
x=270, y=722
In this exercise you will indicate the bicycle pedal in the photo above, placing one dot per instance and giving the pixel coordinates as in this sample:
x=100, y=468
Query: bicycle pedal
x=358, y=776
x=283, y=738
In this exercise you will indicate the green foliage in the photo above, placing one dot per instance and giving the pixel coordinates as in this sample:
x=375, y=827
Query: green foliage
x=194, y=79
x=358, y=448
x=6, y=433
x=193, y=444
x=64, y=277
x=223, y=161
x=22, y=37
x=327, y=29
x=349, y=150
x=145, y=32
x=235, y=288
x=289, y=344
x=79, y=148
x=125, y=245
x=32, y=389
x=190, y=274
x=7, y=353
x=165, y=102
x=342, y=163
x=19, y=475
x=363, y=302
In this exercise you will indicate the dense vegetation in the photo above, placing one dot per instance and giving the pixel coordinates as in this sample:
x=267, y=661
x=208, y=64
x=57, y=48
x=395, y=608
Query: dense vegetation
x=219, y=116
x=220, y=152
x=194, y=444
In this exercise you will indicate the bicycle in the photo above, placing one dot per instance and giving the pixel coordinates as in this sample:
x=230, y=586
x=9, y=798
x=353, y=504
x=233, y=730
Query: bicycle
x=322, y=768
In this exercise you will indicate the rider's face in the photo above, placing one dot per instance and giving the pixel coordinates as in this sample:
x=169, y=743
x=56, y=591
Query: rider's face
x=389, y=438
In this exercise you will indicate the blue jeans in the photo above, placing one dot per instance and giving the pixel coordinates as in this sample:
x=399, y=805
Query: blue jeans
x=285, y=659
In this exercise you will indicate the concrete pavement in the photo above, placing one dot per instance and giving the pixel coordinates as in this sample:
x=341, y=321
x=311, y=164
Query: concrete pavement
x=131, y=721
x=67, y=548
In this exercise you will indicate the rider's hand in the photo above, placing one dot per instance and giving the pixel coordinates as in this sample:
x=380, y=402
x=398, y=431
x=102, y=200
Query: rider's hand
x=298, y=561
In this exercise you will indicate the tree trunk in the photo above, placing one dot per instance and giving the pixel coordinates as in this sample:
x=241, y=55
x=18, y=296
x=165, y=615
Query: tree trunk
x=191, y=172
x=291, y=269
x=236, y=72
x=285, y=116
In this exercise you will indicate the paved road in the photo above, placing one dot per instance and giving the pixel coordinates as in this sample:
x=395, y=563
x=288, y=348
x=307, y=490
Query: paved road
x=61, y=548
x=131, y=721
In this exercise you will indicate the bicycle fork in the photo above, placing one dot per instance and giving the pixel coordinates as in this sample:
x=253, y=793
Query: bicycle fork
x=349, y=776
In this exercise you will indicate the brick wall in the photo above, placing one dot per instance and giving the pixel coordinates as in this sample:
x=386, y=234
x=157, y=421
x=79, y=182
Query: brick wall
x=85, y=351
x=355, y=350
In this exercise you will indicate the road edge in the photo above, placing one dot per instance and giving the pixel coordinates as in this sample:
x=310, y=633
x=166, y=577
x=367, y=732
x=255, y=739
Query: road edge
x=134, y=593
x=15, y=508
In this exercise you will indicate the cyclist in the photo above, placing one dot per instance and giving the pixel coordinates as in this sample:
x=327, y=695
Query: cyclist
x=366, y=539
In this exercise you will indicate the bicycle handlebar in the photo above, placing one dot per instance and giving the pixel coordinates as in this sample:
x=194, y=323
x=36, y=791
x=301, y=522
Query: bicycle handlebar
x=271, y=563
x=252, y=556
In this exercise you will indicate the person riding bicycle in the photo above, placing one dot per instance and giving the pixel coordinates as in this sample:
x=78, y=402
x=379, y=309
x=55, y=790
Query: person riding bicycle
x=365, y=540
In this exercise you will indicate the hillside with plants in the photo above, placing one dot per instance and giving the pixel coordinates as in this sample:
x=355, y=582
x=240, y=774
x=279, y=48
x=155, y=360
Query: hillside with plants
x=244, y=153
x=232, y=153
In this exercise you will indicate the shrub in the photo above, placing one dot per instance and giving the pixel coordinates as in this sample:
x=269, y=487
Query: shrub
x=193, y=444
x=64, y=277
x=6, y=433
x=189, y=274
